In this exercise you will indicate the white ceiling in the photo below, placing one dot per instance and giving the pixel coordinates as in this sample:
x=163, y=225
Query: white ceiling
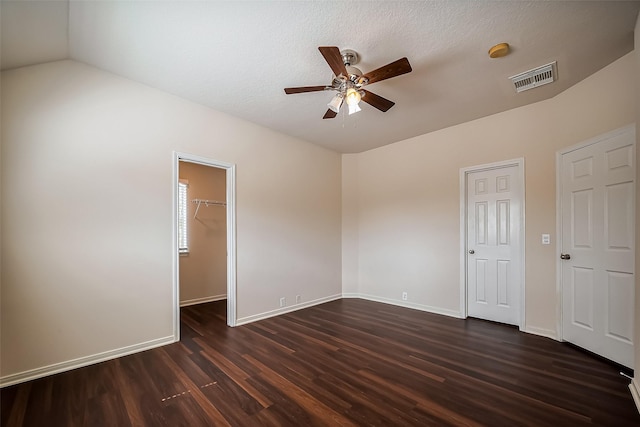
x=237, y=56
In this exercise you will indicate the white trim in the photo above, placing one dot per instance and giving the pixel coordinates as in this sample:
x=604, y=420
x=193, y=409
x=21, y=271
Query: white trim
x=80, y=362
x=195, y=301
x=175, y=251
x=350, y=295
x=231, y=236
x=523, y=245
x=463, y=243
x=596, y=139
x=548, y=333
x=635, y=393
x=519, y=163
x=405, y=304
x=558, y=246
x=283, y=310
x=231, y=247
x=559, y=154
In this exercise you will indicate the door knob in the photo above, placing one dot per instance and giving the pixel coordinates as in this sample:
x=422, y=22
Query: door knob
x=565, y=256
x=471, y=251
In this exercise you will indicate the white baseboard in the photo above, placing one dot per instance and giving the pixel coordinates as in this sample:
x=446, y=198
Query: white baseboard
x=124, y=351
x=635, y=392
x=283, y=310
x=351, y=295
x=195, y=301
x=56, y=368
x=406, y=304
x=548, y=333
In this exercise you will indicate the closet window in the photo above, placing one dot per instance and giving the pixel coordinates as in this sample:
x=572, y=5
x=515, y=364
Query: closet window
x=183, y=244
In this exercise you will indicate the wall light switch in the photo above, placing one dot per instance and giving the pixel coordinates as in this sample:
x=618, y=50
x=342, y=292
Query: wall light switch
x=546, y=239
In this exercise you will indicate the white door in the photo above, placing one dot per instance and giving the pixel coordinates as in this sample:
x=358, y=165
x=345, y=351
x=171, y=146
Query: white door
x=598, y=222
x=494, y=275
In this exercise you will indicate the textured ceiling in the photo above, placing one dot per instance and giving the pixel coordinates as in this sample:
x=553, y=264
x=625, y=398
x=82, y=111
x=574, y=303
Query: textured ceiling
x=237, y=56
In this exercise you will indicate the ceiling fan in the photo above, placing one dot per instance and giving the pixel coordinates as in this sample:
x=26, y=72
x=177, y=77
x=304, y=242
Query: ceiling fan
x=349, y=81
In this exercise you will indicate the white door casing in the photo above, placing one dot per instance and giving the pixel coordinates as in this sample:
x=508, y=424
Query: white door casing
x=231, y=236
x=597, y=248
x=494, y=242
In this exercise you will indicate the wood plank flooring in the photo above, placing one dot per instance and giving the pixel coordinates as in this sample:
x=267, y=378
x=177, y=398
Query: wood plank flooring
x=345, y=363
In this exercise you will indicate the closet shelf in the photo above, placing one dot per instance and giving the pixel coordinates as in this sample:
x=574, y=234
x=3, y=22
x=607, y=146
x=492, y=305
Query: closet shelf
x=206, y=203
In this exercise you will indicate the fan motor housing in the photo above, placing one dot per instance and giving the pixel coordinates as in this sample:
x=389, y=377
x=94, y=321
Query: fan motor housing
x=349, y=57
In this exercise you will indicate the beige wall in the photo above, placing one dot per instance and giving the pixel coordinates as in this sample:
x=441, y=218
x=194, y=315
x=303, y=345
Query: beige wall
x=83, y=277
x=403, y=231
x=33, y=32
x=203, y=271
x=87, y=187
x=350, y=229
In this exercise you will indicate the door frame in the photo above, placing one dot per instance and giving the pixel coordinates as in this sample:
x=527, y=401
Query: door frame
x=231, y=235
x=519, y=163
x=559, y=154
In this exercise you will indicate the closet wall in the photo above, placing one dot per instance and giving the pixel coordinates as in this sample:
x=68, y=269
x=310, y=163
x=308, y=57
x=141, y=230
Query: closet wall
x=203, y=271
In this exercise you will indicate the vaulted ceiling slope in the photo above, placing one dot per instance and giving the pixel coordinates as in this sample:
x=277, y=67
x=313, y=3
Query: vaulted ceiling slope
x=237, y=57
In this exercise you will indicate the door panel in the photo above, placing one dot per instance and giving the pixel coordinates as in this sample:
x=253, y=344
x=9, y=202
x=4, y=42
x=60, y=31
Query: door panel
x=504, y=226
x=620, y=300
x=503, y=283
x=481, y=223
x=598, y=223
x=493, y=239
x=583, y=297
x=619, y=216
x=481, y=281
x=581, y=206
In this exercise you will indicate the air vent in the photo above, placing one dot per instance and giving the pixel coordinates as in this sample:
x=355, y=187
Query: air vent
x=533, y=78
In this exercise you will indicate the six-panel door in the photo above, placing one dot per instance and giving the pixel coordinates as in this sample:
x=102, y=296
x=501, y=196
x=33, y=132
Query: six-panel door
x=493, y=233
x=598, y=218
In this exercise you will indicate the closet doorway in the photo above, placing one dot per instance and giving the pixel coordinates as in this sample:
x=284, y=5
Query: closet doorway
x=204, y=234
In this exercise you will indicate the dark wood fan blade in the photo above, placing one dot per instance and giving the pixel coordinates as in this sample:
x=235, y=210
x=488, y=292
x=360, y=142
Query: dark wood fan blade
x=334, y=59
x=397, y=68
x=330, y=114
x=382, y=104
x=290, y=90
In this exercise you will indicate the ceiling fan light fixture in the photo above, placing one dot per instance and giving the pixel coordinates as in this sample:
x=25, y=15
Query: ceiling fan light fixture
x=348, y=81
x=335, y=103
x=353, y=96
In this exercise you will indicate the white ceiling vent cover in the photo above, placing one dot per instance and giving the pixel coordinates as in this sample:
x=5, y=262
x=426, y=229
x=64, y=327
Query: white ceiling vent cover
x=533, y=78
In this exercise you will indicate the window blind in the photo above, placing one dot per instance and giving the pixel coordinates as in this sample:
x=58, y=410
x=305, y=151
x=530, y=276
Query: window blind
x=183, y=241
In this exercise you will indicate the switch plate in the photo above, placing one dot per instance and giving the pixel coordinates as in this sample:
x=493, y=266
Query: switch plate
x=546, y=239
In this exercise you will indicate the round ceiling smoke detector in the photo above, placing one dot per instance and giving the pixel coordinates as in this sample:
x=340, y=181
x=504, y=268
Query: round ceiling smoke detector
x=499, y=50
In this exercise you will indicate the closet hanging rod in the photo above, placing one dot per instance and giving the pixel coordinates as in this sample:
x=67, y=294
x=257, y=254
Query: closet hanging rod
x=207, y=203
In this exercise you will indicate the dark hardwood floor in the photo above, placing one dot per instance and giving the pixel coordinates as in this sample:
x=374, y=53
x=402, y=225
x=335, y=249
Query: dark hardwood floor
x=344, y=363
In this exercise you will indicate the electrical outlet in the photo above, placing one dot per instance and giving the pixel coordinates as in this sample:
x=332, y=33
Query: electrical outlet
x=298, y=299
x=283, y=302
x=404, y=296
